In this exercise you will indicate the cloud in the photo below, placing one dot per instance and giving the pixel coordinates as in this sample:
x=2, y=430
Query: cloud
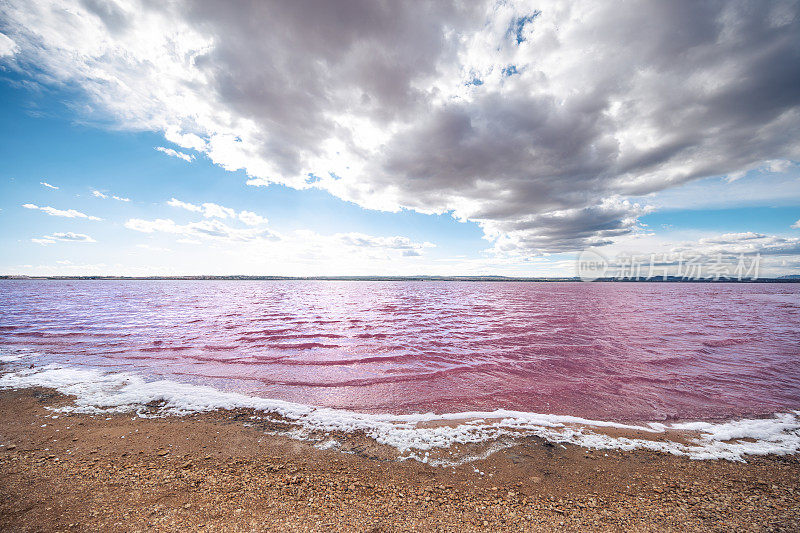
x=217, y=211
x=775, y=166
x=679, y=253
x=44, y=183
x=362, y=240
x=211, y=210
x=69, y=213
x=64, y=237
x=296, y=244
x=174, y=153
x=567, y=229
x=7, y=46
x=778, y=166
x=744, y=243
x=796, y=225
x=174, y=202
x=98, y=194
x=251, y=219
x=204, y=229
x=534, y=123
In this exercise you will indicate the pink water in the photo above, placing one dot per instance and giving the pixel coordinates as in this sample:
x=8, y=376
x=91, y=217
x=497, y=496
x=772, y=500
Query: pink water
x=624, y=351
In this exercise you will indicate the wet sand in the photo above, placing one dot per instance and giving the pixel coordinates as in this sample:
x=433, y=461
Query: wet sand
x=228, y=471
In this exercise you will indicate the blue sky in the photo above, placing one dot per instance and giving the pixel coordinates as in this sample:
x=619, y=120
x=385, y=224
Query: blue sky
x=45, y=140
x=161, y=164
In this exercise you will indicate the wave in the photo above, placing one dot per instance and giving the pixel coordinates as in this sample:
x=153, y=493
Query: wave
x=413, y=435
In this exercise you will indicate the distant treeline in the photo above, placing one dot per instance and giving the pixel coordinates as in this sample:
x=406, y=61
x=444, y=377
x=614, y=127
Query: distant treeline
x=669, y=279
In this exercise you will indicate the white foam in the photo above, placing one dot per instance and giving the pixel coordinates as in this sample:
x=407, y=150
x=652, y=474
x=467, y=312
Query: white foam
x=100, y=392
x=17, y=355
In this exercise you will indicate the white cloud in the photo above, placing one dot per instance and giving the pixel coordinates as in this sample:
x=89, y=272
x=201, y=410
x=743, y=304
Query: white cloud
x=64, y=237
x=98, y=194
x=174, y=153
x=217, y=211
x=68, y=213
x=296, y=244
x=527, y=119
x=743, y=243
x=778, y=166
x=211, y=210
x=362, y=240
x=775, y=254
x=174, y=202
x=7, y=46
x=252, y=219
x=208, y=209
x=774, y=166
x=213, y=229
x=796, y=225
x=44, y=183
x=185, y=140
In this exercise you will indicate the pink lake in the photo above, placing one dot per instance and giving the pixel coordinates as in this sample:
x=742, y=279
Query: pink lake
x=619, y=351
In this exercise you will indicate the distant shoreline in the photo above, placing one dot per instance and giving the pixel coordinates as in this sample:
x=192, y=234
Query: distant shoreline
x=670, y=279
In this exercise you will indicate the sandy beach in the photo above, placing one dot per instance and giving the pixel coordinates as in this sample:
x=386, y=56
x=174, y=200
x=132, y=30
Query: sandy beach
x=222, y=471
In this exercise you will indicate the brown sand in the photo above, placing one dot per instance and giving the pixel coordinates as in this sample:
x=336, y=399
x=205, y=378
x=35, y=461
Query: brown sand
x=224, y=471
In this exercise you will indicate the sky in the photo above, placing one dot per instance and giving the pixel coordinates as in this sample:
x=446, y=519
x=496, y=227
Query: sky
x=395, y=138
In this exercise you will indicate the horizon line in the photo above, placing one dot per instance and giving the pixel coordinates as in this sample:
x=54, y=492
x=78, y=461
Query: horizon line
x=786, y=278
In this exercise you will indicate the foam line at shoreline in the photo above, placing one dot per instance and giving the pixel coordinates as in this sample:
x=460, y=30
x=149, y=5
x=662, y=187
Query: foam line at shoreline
x=413, y=435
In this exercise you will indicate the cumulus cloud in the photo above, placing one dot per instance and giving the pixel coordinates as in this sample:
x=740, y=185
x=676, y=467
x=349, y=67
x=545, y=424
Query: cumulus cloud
x=567, y=229
x=174, y=153
x=796, y=225
x=534, y=120
x=68, y=213
x=45, y=184
x=64, y=237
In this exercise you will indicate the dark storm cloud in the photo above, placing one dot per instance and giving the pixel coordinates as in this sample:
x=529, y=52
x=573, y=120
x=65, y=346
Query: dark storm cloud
x=288, y=65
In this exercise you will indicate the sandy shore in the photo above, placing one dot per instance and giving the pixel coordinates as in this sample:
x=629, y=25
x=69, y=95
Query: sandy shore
x=223, y=471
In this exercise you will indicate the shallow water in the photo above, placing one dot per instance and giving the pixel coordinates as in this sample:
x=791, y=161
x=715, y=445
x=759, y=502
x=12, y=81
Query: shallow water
x=622, y=351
